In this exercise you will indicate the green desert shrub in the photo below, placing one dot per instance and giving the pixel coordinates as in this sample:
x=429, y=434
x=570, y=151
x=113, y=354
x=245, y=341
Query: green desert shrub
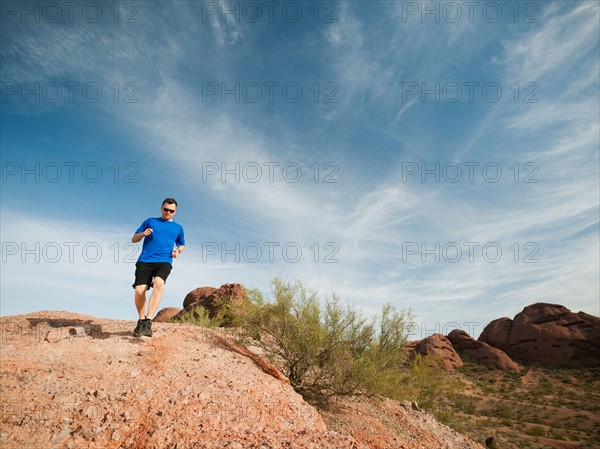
x=425, y=382
x=327, y=348
x=230, y=314
x=197, y=316
x=536, y=431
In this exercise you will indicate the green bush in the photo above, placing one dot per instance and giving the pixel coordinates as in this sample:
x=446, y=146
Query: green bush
x=229, y=314
x=426, y=383
x=197, y=316
x=536, y=431
x=328, y=350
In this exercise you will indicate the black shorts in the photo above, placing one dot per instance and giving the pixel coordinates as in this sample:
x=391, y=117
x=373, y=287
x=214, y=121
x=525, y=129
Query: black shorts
x=145, y=272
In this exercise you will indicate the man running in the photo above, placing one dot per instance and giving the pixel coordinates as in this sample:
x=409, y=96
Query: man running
x=163, y=241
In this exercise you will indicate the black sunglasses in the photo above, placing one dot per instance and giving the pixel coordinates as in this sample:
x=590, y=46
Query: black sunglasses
x=171, y=211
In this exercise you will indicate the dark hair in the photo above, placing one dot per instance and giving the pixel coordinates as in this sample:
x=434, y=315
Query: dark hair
x=169, y=201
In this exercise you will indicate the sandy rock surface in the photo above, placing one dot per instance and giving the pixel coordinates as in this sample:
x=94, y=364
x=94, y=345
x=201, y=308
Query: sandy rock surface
x=75, y=381
x=387, y=424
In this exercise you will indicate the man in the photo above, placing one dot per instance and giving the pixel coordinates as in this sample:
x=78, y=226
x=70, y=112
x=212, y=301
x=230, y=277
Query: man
x=163, y=241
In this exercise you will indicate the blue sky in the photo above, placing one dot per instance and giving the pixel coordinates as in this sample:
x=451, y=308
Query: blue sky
x=441, y=156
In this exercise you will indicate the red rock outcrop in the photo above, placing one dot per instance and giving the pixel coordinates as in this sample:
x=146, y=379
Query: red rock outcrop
x=481, y=352
x=197, y=295
x=166, y=314
x=439, y=347
x=549, y=334
x=215, y=300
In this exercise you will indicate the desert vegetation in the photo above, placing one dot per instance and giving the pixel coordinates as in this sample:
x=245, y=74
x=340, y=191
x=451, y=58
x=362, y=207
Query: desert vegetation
x=539, y=408
x=327, y=349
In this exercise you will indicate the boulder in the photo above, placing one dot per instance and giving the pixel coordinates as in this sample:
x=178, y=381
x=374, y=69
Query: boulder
x=491, y=443
x=197, y=295
x=549, y=334
x=439, y=347
x=217, y=301
x=166, y=314
x=481, y=352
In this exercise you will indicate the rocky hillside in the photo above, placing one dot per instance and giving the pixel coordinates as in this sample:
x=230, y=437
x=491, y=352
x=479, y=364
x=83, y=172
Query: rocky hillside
x=75, y=381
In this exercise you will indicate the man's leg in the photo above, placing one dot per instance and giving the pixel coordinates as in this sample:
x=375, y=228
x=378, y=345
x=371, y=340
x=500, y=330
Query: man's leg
x=140, y=299
x=156, y=296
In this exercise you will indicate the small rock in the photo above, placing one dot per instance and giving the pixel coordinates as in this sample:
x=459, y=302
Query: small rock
x=88, y=435
x=63, y=435
x=491, y=443
x=77, y=332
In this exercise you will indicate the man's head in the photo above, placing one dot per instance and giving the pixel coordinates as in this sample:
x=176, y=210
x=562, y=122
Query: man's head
x=168, y=208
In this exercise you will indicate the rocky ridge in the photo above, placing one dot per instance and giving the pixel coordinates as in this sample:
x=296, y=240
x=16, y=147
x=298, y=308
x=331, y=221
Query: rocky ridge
x=76, y=381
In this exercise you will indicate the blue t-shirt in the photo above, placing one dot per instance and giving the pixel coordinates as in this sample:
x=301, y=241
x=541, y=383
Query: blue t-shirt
x=159, y=245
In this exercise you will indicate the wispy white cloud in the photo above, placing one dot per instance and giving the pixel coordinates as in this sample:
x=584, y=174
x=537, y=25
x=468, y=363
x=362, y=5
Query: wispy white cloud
x=54, y=264
x=371, y=228
x=222, y=17
x=369, y=217
x=567, y=37
x=356, y=67
x=402, y=110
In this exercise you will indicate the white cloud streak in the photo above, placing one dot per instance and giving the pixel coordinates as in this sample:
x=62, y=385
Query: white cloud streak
x=371, y=221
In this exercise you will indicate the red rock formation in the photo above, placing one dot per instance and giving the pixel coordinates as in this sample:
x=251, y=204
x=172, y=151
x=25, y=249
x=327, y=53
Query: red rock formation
x=439, y=347
x=166, y=314
x=549, y=334
x=197, y=295
x=481, y=352
x=215, y=300
x=226, y=295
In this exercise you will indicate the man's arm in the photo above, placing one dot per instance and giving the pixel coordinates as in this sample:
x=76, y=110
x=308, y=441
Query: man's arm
x=180, y=244
x=177, y=251
x=137, y=237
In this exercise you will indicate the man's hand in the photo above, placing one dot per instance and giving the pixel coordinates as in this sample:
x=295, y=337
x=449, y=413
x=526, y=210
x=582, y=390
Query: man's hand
x=177, y=251
x=137, y=237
